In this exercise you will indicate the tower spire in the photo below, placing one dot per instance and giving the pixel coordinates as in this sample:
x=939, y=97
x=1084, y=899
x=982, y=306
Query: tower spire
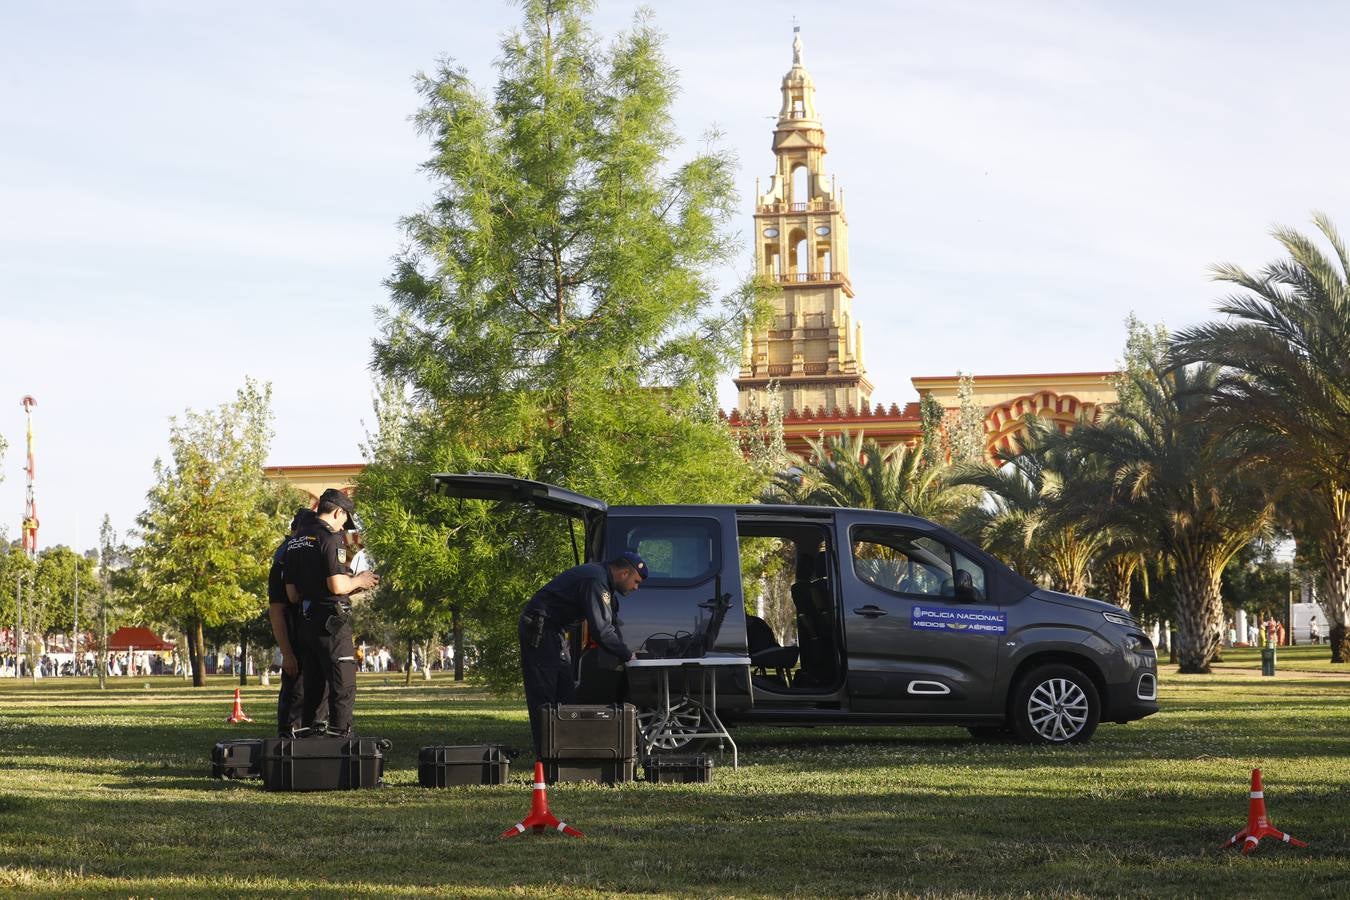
x=812, y=348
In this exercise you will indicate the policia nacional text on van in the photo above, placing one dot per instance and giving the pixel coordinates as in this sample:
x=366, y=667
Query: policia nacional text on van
x=317, y=578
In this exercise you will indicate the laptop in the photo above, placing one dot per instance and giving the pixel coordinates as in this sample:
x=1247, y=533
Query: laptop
x=689, y=645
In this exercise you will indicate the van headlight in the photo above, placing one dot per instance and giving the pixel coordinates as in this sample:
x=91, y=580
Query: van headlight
x=1119, y=619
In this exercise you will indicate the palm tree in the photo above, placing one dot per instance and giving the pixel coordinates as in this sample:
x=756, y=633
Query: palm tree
x=853, y=471
x=1020, y=519
x=1171, y=484
x=1285, y=349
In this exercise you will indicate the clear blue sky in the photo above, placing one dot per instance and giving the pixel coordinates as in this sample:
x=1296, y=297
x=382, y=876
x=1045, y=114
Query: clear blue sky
x=192, y=193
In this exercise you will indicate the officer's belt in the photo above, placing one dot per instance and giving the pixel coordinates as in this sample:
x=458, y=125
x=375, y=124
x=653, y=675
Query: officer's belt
x=328, y=605
x=533, y=616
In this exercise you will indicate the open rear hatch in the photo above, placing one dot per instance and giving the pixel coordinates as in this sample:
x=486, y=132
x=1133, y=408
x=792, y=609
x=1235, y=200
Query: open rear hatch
x=546, y=497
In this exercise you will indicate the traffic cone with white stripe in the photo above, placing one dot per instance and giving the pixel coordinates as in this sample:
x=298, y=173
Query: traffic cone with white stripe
x=1258, y=826
x=237, y=715
x=540, y=819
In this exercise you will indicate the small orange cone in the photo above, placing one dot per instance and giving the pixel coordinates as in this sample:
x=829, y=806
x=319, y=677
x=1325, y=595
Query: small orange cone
x=237, y=715
x=1258, y=826
x=540, y=819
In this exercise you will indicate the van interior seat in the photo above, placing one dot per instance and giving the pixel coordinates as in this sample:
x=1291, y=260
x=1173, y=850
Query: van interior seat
x=765, y=651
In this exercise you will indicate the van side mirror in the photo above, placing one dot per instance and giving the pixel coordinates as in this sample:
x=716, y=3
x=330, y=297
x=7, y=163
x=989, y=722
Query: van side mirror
x=965, y=587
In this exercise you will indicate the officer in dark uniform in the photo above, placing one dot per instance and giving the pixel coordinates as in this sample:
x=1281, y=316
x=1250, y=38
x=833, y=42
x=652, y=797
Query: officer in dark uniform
x=285, y=620
x=586, y=592
x=318, y=579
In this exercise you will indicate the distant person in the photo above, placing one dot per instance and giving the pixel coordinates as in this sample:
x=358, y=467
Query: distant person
x=582, y=593
x=318, y=579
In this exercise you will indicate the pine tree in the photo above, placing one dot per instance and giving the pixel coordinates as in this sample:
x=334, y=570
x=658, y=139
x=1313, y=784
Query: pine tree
x=552, y=316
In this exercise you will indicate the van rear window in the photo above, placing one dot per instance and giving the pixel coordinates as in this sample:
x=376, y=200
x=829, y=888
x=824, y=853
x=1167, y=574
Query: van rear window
x=678, y=552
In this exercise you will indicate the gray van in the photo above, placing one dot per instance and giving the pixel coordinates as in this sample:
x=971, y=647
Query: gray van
x=881, y=618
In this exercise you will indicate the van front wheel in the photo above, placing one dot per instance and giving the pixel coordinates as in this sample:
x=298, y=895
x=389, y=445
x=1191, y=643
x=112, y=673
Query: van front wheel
x=1055, y=704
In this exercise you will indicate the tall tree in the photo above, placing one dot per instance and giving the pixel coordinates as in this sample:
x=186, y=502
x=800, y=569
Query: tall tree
x=62, y=575
x=1168, y=481
x=113, y=562
x=553, y=314
x=1285, y=349
x=210, y=521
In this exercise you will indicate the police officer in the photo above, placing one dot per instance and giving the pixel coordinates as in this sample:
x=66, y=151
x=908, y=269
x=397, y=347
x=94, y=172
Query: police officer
x=584, y=592
x=285, y=620
x=318, y=579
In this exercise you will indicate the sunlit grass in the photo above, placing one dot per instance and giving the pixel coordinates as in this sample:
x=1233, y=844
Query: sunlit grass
x=106, y=793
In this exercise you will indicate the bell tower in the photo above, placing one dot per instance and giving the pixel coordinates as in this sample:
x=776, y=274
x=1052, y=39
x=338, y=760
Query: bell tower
x=813, y=347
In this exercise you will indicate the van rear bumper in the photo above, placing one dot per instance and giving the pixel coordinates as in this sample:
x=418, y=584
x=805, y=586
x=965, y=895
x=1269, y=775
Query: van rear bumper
x=1133, y=699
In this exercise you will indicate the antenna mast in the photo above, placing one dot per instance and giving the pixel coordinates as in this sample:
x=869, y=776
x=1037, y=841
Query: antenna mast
x=30, y=517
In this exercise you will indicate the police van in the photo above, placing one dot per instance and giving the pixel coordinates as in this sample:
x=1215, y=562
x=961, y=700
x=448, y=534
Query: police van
x=882, y=618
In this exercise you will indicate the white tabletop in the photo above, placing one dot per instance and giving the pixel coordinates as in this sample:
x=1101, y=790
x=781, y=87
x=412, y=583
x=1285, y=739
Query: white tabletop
x=694, y=661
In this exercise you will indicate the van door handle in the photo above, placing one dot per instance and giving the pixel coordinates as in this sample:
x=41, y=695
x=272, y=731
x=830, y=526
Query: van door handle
x=869, y=611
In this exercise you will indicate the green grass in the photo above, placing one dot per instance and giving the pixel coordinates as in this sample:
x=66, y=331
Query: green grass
x=106, y=793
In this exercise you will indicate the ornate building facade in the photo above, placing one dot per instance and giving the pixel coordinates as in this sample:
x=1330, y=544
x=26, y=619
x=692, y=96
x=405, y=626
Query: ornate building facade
x=809, y=358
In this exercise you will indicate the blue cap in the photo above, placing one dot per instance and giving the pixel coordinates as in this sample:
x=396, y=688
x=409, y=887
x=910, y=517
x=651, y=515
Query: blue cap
x=637, y=563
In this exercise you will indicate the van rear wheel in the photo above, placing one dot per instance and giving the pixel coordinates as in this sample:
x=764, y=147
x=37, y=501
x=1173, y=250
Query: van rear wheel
x=1055, y=704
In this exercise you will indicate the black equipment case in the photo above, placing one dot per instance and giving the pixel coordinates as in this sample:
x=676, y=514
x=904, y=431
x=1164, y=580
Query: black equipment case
x=590, y=743
x=603, y=771
x=590, y=732
x=237, y=759
x=440, y=766
x=692, y=769
x=323, y=763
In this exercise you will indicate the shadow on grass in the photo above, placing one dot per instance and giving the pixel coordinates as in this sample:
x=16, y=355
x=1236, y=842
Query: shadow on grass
x=896, y=837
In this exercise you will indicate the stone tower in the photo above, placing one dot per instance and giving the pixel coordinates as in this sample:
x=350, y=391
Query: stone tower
x=812, y=349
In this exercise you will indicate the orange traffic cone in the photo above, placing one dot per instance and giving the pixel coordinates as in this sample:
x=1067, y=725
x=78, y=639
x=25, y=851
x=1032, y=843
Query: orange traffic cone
x=1258, y=826
x=237, y=715
x=540, y=819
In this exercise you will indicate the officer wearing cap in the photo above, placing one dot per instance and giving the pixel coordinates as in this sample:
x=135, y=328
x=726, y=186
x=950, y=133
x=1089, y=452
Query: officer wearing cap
x=317, y=578
x=284, y=617
x=587, y=592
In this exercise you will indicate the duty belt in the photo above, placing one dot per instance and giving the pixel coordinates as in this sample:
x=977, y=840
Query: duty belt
x=535, y=624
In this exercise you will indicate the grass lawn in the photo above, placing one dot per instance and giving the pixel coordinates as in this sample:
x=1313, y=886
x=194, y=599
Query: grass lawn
x=106, y=793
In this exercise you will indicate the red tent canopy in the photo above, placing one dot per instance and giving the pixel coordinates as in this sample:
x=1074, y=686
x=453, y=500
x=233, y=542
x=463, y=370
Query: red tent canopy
x=138, y=639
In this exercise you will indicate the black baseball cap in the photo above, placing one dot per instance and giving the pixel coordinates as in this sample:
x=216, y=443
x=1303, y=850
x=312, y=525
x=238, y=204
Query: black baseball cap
x=342, y=502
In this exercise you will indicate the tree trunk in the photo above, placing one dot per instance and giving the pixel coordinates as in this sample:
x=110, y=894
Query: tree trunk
x=1199, y=610
x=1335, y=547
x=426, y=658
x=457, y=641
x=197, y=654
x=407, y=665
x=242, y=662
x=1119, y=577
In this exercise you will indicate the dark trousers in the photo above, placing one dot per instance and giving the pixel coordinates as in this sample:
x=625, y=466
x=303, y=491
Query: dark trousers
x=547, y=673
x=328, y=669
x=291, y=697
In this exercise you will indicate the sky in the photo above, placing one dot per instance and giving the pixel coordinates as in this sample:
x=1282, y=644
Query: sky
x=193, y=193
